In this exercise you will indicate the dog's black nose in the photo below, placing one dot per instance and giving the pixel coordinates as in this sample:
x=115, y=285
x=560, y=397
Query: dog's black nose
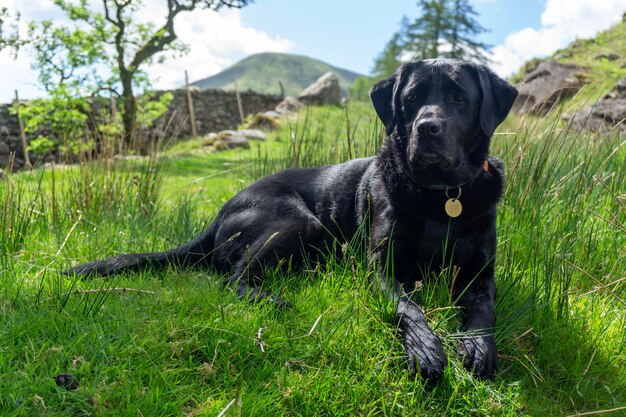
x=429, y=127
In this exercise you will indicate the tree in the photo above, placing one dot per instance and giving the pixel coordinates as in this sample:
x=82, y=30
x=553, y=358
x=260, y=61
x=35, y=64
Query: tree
x=360, y=88
x=9, y=31
x=459, y=36
x=390, y=58
x=425, y=35
x=445, y=28
x=109, y=40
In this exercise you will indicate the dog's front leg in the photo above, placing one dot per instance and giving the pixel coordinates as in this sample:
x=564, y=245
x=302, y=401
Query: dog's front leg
x=478, y=346
x=422, y=346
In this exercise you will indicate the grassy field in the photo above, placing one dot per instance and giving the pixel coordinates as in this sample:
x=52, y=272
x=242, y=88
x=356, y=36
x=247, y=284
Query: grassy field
x=177, y=343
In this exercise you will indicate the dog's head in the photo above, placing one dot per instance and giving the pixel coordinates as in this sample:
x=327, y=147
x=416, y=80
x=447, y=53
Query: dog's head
x=440, y=115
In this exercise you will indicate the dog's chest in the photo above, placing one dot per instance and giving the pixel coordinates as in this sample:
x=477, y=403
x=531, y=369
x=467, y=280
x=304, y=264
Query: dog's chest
x=439, y=245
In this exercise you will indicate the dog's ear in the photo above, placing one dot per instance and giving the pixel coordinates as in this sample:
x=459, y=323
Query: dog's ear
x=381, y=95
x=498, y=98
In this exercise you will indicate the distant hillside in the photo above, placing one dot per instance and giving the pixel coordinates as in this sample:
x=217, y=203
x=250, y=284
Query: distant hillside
x=262, y=72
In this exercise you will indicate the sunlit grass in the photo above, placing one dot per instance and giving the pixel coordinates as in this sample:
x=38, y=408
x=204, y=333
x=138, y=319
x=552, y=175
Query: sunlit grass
x=177, y=343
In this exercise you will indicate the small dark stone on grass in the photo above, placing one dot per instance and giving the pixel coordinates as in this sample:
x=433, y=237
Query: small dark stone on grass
x=609, y=57
x=67, y=381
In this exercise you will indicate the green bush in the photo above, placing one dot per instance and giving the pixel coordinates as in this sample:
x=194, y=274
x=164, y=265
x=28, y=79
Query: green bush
x=360, y=88
x=41, y=145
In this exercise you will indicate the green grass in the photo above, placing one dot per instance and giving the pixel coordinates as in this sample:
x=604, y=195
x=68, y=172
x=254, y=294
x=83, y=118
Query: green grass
x=177, y=343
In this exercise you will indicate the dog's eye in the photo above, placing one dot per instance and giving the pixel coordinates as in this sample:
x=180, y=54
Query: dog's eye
x=458, y=98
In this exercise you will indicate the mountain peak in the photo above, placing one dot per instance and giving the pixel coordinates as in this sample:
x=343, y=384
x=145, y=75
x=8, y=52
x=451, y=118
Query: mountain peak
x=265, y=71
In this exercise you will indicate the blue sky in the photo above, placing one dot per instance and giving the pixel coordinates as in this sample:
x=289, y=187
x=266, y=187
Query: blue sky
x=344, y=33
x=350, y=34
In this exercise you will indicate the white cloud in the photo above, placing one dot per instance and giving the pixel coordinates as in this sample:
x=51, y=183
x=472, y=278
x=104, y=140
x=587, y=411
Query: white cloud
x=34, y=9
x=214, y=40
x=16, y=74
x=562, y=21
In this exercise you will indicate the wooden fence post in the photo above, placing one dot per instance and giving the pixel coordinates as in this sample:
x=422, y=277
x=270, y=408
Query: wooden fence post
x=282, y=89
x=27, y=164
x=192, y=114
x=114, y=141
x=239, y=105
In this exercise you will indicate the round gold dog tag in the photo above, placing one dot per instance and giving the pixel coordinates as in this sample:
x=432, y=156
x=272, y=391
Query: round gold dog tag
x=453, y=207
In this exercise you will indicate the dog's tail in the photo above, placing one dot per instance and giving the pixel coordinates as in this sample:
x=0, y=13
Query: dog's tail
x=198, y=252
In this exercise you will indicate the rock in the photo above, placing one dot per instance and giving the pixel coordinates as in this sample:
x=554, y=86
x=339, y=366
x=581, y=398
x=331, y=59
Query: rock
x=288, y=105
x=601, y=117
x=4, y=149
x=226, y=139
x=606, y=115
x=253, y=134
x=233, y=139
x=67, y=381
x=271, y=113
x=210, y=138
x=264, y=121
x=323, y=91
x=619, y=91
x=609, y=57
x=215, y=147
x=546, y=85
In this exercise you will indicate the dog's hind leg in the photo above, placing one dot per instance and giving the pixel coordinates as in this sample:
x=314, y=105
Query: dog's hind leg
x=281, y=242
x=250, y=289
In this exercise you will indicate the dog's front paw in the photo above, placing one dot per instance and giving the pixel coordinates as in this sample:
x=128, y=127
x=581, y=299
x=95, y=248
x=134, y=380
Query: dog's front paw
x=424, y=350
x=480, y=358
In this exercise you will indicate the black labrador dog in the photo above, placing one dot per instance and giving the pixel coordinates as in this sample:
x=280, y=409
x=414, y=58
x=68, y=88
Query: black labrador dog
x=431, y=182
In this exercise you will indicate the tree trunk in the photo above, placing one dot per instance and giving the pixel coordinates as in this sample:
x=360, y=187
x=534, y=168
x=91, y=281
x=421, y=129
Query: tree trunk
x=129, y=110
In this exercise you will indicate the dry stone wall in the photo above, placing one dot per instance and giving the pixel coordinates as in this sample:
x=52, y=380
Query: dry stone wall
x=214, y=110
x=11, y=142
x=8, y=142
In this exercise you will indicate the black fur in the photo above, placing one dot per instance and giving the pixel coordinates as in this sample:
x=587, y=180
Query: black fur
x=439, y=116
